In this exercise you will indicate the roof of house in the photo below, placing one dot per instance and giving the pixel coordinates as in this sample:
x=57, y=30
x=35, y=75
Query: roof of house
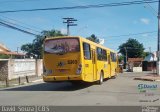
x=5, y=50
x=151, y=57
x=135, y=59
x=11, y=53
x=3, y=47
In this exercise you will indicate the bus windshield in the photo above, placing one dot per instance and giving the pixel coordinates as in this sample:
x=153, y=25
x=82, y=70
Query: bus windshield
x=62, y=45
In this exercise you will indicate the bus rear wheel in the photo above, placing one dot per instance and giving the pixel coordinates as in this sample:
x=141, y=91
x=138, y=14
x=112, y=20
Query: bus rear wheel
x=100, y=81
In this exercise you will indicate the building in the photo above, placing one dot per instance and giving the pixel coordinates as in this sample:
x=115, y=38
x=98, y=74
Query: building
x=5, y=51
x=135, y=64
x=149, y=63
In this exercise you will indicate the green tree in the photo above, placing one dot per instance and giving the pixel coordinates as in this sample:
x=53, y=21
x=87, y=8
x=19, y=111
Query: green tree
x=120, y=58
x=35, y=48
x=93, y=38
x=133, y=48
x=145, y=54
x=28, y=48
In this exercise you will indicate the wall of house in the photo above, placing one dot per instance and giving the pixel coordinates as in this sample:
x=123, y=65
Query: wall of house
x=137, y=69
x=39, y=67
x=22, y=67
x=149, y=66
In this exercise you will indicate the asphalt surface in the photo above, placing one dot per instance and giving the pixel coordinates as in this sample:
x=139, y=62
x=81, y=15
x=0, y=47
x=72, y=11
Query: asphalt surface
x=122, y=91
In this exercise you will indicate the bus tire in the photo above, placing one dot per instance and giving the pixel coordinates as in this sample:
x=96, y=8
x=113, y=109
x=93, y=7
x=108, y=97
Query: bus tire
x=114, y=77
x=100, y=81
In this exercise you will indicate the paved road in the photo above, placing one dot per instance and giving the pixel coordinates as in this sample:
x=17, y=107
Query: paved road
x=120, y=92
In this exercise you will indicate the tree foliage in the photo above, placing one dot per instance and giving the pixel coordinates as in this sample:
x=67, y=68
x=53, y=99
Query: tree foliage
x=133, y=48
x=146, y=54
x=35, y=48
x=93, y=38
x=120, y=58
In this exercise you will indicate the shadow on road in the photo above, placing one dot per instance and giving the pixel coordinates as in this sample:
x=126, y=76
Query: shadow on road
x=56, y=86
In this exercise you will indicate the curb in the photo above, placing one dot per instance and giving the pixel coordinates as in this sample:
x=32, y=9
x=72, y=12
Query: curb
x=22, y=84
x=144, y=79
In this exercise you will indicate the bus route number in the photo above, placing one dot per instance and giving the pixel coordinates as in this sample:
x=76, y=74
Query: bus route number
x=72, y=61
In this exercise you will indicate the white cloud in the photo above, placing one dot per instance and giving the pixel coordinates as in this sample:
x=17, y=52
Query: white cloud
x=145, y=21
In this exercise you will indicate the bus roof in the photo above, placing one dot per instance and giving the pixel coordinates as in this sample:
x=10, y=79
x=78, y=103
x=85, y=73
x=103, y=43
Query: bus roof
x=82, y=38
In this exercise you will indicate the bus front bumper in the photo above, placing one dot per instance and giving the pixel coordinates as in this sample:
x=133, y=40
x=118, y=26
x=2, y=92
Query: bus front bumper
x=61, y=78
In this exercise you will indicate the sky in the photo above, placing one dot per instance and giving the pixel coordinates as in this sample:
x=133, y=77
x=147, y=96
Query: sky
x=106, y=23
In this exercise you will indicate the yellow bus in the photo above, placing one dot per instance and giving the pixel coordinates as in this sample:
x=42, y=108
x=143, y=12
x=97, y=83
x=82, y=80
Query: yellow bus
x=68, y=58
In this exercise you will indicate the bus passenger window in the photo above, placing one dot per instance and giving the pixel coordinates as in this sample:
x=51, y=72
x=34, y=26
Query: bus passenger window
x=101, y=54
x=113, y=57
x=104, y=55
x=86, y=51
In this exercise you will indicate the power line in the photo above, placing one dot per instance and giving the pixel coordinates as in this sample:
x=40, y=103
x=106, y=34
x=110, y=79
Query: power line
x=152, y=9
x=33, y=27
x=124, y=35
x=19, y=25
x=127, y=35
x=84, y=6
x=16, y=28
x=16, y=1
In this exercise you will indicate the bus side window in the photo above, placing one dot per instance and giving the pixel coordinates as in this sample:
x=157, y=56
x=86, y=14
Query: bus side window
x=86, y=51
x=104, y=55
x=101, y=54
x=113, y=57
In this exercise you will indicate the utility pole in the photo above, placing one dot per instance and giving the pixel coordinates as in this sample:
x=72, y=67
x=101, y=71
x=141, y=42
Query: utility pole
x=126, y=55
x=69, y=22
x=158, y=49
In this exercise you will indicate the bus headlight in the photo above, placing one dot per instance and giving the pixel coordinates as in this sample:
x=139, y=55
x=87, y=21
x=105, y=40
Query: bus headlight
x=46, y=71
x=79, y=69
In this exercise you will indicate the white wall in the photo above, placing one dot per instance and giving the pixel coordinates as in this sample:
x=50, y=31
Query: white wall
x=137, y=69
x=24, y=67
